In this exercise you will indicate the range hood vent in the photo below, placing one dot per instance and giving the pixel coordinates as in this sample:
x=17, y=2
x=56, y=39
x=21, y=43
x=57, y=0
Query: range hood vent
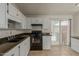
x=36, y=24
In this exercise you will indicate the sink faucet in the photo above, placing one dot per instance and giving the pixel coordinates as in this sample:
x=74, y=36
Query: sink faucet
x=11, y=37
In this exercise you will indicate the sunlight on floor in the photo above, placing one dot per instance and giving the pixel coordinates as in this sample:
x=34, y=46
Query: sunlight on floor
x=55, y=51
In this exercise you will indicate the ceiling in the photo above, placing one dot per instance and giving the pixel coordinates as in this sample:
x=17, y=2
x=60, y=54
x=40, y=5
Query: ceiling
x=47, y=8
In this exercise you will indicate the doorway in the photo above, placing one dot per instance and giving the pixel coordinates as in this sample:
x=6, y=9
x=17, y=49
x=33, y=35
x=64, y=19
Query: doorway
x=60, y=32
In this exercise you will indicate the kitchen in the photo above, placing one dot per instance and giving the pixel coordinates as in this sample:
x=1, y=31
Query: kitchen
x=23, y=33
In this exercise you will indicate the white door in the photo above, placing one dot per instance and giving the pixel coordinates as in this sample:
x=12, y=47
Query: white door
x=60, y=32
x=65, y=32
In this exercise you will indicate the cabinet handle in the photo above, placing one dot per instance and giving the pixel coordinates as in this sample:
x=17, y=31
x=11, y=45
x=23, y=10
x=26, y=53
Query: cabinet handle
x=19, y=50
x=18, y=46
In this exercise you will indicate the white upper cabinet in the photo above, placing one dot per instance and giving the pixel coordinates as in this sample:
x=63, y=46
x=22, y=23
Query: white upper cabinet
x=20, y=15
x=3, y=21
x=22, y=18
x=24, y=23
x=46, y=25
x=36, y=21
x=12, y=10
x=28, y=23
x=15, y=14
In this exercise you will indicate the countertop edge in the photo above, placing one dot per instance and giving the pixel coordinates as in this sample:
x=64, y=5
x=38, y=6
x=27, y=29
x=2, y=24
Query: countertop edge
x=17, y=43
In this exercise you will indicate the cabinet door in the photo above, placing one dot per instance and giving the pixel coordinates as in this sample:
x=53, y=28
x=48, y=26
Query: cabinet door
x=15, y=15
x=20, y=15
x=24, y=23
x=28, y=45
x=3, y=21
x=40, y=21
x=12, y=10
x=75, y=44
x=34, y=21
x=46, y=42
x=13, y=52
x=22, y=49
x=28, y=23
x=46, y=25
x=25, y=47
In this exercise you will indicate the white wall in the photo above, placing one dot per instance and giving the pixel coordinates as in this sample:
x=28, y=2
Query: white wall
x=75, y=24
x=8, y=32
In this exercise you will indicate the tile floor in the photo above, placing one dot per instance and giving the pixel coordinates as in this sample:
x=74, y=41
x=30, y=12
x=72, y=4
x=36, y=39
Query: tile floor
x=55, y=51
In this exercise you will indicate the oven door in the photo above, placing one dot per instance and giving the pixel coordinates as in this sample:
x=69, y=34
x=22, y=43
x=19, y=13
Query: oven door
x=36, y=42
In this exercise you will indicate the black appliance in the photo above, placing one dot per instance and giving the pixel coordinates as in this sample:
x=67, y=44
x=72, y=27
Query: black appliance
x=36, y=40
x=36, y=24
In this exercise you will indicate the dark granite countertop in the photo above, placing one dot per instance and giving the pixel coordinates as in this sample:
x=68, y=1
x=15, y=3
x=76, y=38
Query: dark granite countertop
x=76, y=37
x=46, y=34
x=43, y=34
x=6, y=46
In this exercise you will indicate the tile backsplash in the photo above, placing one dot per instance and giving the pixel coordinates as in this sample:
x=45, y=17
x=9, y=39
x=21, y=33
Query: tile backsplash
x=6, y=33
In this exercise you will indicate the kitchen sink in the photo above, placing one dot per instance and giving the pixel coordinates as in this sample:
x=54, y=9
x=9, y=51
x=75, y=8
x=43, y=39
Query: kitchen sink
x=16, y=39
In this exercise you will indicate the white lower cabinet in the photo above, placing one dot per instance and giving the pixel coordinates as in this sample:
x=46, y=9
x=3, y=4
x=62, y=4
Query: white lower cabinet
x=75, y=44
x=25, y=47
x=13, y=52
x=46, y=42
x=21, y=49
